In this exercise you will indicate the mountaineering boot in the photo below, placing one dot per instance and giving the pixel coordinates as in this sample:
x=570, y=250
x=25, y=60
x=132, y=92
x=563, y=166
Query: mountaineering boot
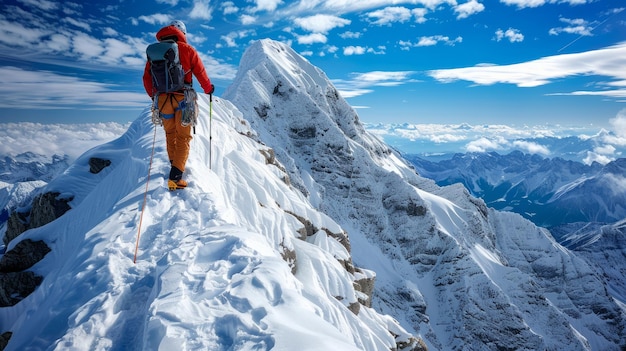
x=175, y=180
x=174, y=185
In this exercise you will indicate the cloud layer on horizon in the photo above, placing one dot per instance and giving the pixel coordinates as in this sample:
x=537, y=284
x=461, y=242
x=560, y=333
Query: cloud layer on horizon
x=56, y=139
x=606, y=145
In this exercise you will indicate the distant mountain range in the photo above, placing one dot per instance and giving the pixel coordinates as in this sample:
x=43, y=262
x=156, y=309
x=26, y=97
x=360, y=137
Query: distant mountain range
x=548, y=191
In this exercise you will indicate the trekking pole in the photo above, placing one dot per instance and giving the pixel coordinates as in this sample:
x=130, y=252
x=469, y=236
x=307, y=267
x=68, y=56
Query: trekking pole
x=145, y=194
x=210, y=129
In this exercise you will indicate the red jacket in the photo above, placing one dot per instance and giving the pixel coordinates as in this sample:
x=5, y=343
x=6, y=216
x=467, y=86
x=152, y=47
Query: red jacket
x=189, y=59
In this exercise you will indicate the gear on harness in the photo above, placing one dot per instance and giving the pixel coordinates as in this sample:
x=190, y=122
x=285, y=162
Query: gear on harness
x=189, y=107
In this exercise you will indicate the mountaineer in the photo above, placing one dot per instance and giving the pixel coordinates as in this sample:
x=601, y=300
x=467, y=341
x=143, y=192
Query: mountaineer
x=168, y=81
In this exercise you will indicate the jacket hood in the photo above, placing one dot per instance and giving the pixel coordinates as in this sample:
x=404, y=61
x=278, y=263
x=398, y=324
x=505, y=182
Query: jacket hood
x=171, y=31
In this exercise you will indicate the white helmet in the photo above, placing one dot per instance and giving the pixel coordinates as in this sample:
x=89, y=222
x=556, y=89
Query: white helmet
x=180, y=25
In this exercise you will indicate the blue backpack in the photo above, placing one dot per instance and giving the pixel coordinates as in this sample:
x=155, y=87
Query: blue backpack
x=168, y=75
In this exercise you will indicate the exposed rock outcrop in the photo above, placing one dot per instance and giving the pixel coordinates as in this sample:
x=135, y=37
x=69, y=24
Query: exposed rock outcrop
x=16, y=286
x=23, y=256
x=4, y=339
x=45, y=208
x=96, y=165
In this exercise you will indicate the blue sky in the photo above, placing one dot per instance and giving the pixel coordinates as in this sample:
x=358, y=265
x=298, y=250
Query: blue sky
x=514, y=62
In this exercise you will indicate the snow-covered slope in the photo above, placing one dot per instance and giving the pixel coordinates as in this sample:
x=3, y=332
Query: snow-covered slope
x=223, y=265
x=464, y=276
x=548, y=191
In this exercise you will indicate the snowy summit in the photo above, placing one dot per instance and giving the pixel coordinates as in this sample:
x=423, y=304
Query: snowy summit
x=303, y=232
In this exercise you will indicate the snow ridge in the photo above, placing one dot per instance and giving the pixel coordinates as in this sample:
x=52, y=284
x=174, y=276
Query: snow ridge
x=216, y=261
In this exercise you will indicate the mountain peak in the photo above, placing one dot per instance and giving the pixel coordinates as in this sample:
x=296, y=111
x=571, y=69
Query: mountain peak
x=397, y=219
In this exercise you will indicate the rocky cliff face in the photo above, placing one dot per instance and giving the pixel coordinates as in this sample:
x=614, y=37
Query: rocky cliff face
x=604, y=247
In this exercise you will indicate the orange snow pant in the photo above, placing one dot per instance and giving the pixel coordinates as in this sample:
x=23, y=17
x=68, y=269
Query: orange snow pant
x=177, y=136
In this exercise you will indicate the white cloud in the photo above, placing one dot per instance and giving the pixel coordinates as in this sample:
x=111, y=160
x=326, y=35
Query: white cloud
x=361, y=50
x=44, y=5
x=12, y=33
x=229, y=8
x=607, y=93
x=115, y=50
x=445, y=138
x=231, y=37
x=87, y=47
x=217, y=69
x=469, y=8
x=436, y=39
x=353, y=50
x=266, y=5
x=321, y=23
x=575, y=26
x=156, y=19
x=76, y=23
x=512, y=34
x=605, y=150
x=247, y=19
x=618, y=127
x=606, y=62
x=362, y=83
x=485, y=145
x=350, y=93
x=619, y=123
x=378, y=77
x=536, y=3
x=397, y=14
x=312, y=38
x=531, y=147
x=22, y=89
x=350, y=35
x=110, y=32
x=201, y=10
x=339, y=7
x=168, y=2
x=420, y=14
x=390, y=15
x=58, y=43
x=594, y=157
x=56, y=139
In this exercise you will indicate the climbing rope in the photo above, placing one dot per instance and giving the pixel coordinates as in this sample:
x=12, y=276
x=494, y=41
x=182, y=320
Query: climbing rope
x=145, y=194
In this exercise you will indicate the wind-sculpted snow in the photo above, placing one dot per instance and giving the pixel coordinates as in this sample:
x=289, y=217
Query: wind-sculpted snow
x=463, y=276
x=221, y=265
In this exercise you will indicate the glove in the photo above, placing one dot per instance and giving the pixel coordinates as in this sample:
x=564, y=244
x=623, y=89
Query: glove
x=210, y=92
